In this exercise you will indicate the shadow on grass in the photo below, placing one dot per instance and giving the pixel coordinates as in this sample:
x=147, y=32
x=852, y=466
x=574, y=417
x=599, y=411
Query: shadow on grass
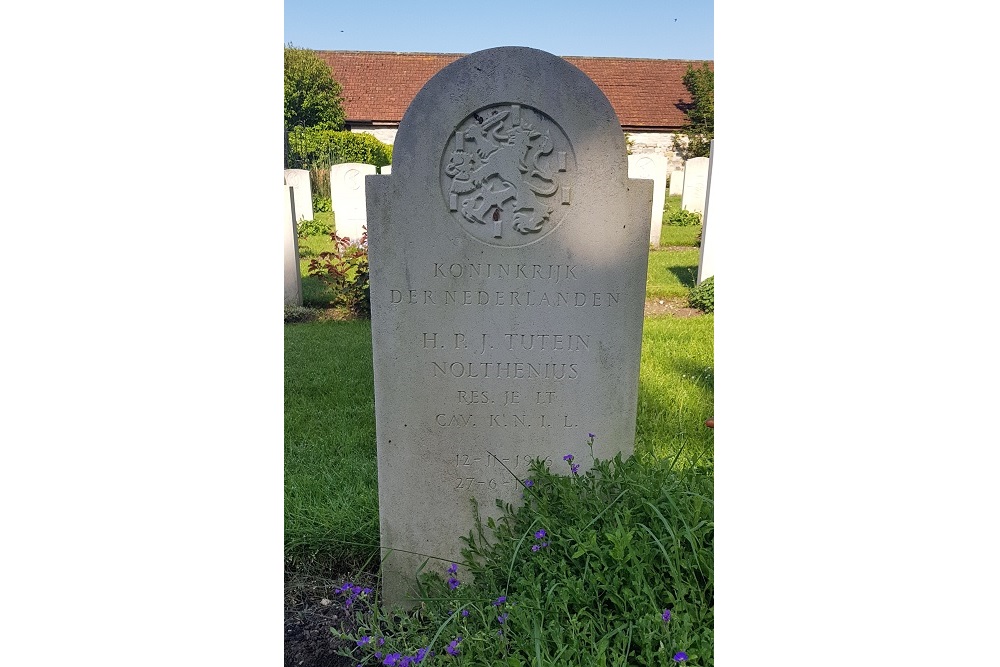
x=686, y=275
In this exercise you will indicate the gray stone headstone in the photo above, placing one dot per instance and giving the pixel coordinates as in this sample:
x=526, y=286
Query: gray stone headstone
x=293, y=278
x=706, y=259
x=695, y=184
x=508, y=255
x=347, y=192
x=653, y=167
x=302, y=192
x=676, y=182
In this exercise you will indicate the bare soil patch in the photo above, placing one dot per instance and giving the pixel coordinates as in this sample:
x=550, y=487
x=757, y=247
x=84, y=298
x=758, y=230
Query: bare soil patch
x=676, y=306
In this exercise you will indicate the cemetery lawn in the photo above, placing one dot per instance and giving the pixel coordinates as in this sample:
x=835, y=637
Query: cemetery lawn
x=331, y=494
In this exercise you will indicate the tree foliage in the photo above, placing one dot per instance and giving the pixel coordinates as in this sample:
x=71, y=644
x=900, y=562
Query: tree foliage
x=696, y=138
x=312, y=97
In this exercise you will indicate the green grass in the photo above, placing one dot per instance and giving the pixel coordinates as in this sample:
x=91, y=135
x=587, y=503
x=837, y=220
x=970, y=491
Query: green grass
x=676, y=389
x=671, y=274
x=330, y=466
x=671, y=202
x=331, y=497
x=672, y=235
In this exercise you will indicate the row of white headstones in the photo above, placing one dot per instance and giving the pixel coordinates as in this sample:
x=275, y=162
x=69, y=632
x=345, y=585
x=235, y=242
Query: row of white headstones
x=347, y=189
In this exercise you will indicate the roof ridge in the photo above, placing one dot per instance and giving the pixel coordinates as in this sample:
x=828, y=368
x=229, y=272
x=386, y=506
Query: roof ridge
x=430, y=53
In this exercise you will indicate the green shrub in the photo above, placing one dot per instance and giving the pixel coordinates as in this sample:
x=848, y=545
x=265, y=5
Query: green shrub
x=345, y=270
x=702, y=296
x=322, y=205
x=313, y=147
x=313, y=227
x=681, y=218
x=613, y=566
x=312, y=96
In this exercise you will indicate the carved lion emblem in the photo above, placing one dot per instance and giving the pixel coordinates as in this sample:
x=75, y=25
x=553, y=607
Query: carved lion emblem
x=505, y=174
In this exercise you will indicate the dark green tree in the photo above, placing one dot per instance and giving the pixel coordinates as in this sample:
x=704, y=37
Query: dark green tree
x=695, y=139
x=312, y=97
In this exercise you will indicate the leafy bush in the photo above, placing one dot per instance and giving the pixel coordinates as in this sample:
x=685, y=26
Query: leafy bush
x=314, y=147
x=682, y=218
x=322, y=205
x=613, y=566
x=313, y=227
x=312, y=97
x=702, y=296
x=695, y=138
x=345, y=269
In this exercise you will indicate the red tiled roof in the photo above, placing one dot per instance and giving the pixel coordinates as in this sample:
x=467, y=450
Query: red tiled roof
x=378, y=86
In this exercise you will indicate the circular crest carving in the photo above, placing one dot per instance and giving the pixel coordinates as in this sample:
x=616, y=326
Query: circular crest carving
x=506, y=175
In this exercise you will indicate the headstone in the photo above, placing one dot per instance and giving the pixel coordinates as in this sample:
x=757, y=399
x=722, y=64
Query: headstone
x=653, y=167
x=695, y=184
x=302, y=192
x=293, y=278
x=347, y=191
x=387, y=169
x=706, y=264
x=508, y=257
x=676, y=182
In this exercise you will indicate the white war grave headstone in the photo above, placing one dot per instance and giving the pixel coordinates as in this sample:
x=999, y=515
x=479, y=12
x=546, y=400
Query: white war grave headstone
x=302, y=192
x=293, y=278
x=508, y=255
x=347, y=192
x=695, y=184
x=387, y=169
x=653, y=167
x=706, y=263
x=676, y=182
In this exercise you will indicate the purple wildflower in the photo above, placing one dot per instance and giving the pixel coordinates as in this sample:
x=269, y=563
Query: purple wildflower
x=366, y=591
x=421, y=654
x=465, y=612
x=452, y=648
x=574, y=468
x=529, y=483
x=381, y=641
x=392, y=659
x=453, y=583
x=680, y=656
x=543, y=545
x=590, y=435
x=345, y=588
x=500, y=600
x=568, y=457
x=453, y=569
x=666, y=615
x=502, y=617
x=535, y=547
x=364, y=640
x=540, y=534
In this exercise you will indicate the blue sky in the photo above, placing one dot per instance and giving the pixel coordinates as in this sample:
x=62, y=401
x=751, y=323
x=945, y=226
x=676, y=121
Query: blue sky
x=644, y=29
